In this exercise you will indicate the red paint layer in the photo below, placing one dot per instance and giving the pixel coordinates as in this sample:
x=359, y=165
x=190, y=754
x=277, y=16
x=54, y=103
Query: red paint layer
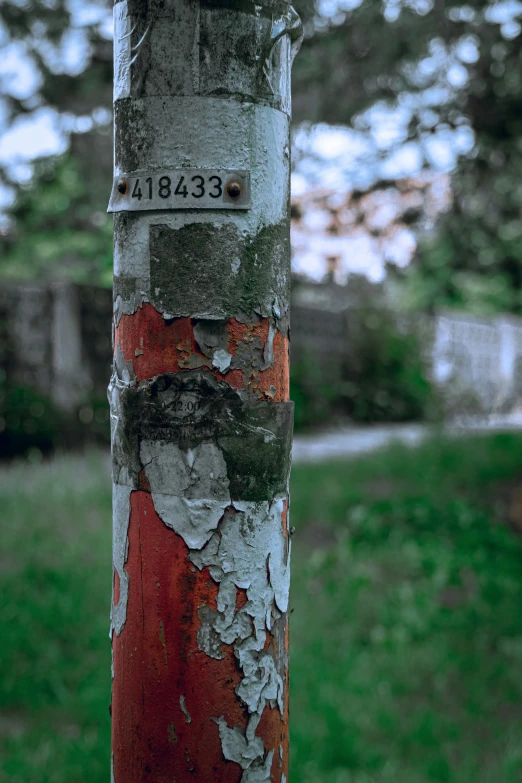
x=157, y=660
x=116, y=587
x=156, y=657
x=156, y=346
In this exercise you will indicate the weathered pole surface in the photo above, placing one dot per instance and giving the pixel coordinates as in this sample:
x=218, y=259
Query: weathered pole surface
x=200, y=410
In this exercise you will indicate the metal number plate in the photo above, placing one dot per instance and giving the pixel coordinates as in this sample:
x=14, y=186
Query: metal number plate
x=181, y=189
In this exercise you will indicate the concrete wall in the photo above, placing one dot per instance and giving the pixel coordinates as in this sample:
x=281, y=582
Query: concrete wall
x=56, y=338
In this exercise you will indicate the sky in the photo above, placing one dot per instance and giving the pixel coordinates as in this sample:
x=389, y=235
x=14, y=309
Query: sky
x=44, y=132
x=331, y=157
x=334, y=157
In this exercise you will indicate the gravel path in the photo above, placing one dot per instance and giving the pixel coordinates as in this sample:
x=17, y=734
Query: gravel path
x=350, y=441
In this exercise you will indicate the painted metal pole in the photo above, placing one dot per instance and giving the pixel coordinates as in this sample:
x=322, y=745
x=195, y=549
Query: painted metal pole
x=200, y=411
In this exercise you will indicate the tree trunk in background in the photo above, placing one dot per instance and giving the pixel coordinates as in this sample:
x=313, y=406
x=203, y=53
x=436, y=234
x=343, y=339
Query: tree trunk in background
x=201, y=420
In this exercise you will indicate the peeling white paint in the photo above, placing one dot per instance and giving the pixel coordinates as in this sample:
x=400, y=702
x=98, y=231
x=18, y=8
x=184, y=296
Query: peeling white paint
x=194, y=520
x=268, y=352
x=258, y=774
x=121, y=474
x=123, y=374
x=239, y=745
x=131, y=250
x=246, y=749
x=120, y=547
x=286, y=38
x=189, y=488
x=208, y=638
x=242, y=543
x=184, y=710
x=221, y=360
x=261, y=684
x=122, y=51
x=248, y=551
x=128, y=306
x=212, y=338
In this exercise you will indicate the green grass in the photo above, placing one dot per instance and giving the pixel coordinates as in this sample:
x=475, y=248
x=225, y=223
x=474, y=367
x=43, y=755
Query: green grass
x=54, y=602
x=406, y=631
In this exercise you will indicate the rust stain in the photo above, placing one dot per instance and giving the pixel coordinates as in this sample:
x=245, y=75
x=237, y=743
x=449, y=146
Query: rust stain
x=273, y=729
x=143, y=481
x=278, y=376
x=241, y=598
x=116, y=584
x=156, y=346
x=162, y=640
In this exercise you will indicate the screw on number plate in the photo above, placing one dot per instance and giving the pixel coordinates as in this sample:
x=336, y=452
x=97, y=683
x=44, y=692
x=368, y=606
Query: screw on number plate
x=234, y=189
x=122, y=186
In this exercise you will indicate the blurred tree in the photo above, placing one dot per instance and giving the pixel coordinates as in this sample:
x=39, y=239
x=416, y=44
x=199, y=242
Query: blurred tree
x=59, y=39
x=58, y=226
x=451, y=66
x=452, y=69
x=60, y=229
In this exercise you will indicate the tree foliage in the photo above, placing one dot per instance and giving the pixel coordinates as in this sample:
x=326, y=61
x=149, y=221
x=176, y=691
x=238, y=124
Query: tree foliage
x=42, y=30
x=57, y=224
x=454, y=66
x=449, y=67
x=60, y=229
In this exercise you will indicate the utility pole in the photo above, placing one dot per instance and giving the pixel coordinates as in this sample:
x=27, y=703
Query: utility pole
x=200, y=411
